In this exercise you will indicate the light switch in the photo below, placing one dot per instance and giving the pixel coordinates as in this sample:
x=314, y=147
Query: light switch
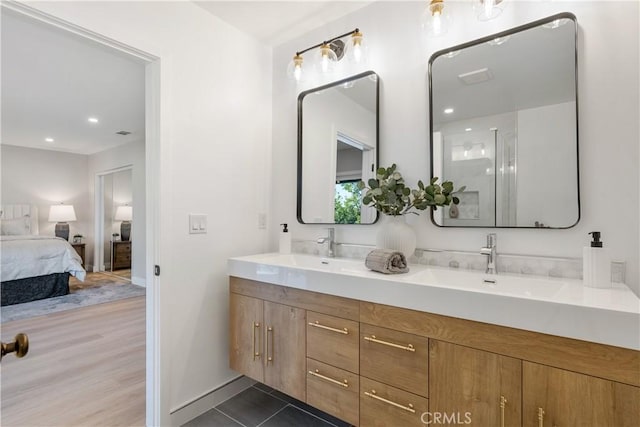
x=197, y=223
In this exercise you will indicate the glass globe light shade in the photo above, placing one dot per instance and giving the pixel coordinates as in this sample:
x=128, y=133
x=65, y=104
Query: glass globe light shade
x=487, y=9
x=325, y=60
x=436, y=19
x=296, y=69
x=357, y=49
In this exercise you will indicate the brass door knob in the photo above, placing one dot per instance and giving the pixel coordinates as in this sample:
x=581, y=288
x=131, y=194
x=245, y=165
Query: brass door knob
x=20, y=346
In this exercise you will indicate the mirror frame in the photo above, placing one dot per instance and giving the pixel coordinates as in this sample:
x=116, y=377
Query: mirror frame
x=534, y=24
x=299, y=158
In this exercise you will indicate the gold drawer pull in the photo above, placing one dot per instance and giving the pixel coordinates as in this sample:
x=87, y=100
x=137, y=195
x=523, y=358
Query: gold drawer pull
x=408, y=347
x=269, y=358
x=317, y=373
x=540, y=417
x=256, y=354
x=329, y=328
x=397, y=405
x=503, y=403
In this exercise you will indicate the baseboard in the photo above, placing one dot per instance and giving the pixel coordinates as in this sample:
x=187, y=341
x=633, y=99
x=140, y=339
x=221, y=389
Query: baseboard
x=139, y=281
x=198, y=406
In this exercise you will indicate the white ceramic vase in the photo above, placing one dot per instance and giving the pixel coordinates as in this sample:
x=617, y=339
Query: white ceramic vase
x=396, y=234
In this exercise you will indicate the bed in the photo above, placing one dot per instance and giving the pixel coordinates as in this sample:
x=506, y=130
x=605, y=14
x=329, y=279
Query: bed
x=33, y=267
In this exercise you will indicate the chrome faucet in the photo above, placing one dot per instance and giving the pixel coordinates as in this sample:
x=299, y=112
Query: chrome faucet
x=490, y=252
x=330, y=240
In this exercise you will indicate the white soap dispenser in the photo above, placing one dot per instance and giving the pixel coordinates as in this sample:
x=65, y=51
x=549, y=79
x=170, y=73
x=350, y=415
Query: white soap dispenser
x=596, y=264
x=285, y=240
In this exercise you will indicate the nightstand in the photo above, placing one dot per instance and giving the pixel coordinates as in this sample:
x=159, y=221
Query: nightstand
x=121, y=255
x=79, y=247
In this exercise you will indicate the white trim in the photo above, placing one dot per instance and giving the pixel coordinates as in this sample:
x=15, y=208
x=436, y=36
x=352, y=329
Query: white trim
x=157, y=402
x=139, y=281
x=198, y=406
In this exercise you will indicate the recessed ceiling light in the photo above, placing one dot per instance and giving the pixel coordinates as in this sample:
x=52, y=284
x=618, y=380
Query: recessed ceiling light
x=49, y=139
x=468, y=130
x=448, y=110
x=93, y=120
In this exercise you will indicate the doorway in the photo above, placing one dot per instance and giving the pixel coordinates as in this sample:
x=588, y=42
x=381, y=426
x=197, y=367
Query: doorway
x=150, y=223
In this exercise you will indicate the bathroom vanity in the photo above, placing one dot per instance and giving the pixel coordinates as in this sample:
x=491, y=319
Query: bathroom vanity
x=431, y=347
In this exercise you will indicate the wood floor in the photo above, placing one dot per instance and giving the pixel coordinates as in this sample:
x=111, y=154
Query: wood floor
x=85, y=367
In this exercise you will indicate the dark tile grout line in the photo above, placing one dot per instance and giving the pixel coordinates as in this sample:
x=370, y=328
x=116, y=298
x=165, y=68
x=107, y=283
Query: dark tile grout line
x=270, y=393
x=228, y=416
x=277, y=412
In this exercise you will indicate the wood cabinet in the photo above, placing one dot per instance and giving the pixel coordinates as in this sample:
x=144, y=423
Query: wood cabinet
x=80, y=249
x=264, y=343
x=478, y=386
x=376, y=365
x=121, y=255
x=557, y=397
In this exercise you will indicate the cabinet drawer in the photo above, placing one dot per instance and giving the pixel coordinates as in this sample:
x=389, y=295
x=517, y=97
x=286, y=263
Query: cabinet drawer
x=333, y=390
x=123, y=249
x=395, y=358
x=333, y=340
x=383, y=405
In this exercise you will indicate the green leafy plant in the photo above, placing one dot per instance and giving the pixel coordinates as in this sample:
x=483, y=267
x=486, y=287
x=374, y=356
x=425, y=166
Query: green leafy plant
x=389, y=194
x=347, y=204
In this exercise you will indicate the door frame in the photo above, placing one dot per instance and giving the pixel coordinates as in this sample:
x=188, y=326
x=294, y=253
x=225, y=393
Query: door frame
x=156, y=401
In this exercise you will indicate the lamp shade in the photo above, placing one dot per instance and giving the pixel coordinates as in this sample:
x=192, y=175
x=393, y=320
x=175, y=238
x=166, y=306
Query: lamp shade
x=124, y=213
x=62, y=213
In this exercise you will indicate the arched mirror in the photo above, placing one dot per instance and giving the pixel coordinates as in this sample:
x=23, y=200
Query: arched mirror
x=503, y=115
x=337, y=147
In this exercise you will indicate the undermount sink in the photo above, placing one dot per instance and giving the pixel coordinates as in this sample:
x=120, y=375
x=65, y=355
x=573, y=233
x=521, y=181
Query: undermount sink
x=553, y=306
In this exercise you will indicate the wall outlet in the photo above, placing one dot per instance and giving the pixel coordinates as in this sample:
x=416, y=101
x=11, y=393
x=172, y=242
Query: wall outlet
x=262, y=221
x=197, y=224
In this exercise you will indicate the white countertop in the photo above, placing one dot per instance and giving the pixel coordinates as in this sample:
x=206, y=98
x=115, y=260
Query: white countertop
x=560, y=307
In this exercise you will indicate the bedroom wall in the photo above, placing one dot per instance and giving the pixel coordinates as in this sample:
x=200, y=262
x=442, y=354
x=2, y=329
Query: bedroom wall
x=126, y=155
x=43, y=178
x=214, y=146
x=609, y=128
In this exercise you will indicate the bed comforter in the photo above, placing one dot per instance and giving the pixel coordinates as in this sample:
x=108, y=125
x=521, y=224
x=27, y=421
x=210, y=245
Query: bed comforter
x=32, y=256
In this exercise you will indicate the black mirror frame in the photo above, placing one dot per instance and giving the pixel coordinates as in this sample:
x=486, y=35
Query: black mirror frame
x=299, y=174
x=511, y=31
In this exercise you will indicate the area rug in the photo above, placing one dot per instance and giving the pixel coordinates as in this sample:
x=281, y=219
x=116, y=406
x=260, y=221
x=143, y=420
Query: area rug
x=80, y=298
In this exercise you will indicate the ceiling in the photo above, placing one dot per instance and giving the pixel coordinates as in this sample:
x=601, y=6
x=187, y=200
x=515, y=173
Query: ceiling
x=275, y=22
x=53, y=81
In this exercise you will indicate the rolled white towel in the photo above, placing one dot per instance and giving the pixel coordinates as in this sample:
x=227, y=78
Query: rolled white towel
x=386, y=261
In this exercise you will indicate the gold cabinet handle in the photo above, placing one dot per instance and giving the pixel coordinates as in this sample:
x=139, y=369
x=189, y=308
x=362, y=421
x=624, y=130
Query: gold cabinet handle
x=20, y=346
x=256, y=353
x=397, y=405
x=317, y=324
x=540, y=417
x=269, y=358
x=503, y=403
x=408, y=347
x=317, y=373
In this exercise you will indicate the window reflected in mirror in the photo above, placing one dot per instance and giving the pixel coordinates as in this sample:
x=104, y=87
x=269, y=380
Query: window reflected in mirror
x=337, y=147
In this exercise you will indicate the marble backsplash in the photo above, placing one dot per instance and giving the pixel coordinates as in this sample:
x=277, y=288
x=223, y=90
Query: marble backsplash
x=570, y=268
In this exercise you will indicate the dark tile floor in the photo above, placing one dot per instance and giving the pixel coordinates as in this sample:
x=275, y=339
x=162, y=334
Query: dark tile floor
x=262, y=406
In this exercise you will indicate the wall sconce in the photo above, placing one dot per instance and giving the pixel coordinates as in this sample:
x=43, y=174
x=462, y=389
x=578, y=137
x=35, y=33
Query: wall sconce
x=436, y=19
x=124, y=214
x=328, y=54
x=61, y=215
x=487, y=9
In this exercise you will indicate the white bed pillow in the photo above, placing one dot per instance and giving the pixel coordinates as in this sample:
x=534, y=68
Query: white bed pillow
x=15, y=226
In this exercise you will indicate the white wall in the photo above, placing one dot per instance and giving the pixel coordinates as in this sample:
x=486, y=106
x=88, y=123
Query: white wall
x=544, y=185
x=608, y=47
x=127, y=155
x=45, y=178
x=215, y=112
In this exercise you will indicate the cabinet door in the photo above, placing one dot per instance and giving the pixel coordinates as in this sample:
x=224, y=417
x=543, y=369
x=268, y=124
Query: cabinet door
x=571, y=399
x=285, y=357
x=473, y=385
x=246, y=336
